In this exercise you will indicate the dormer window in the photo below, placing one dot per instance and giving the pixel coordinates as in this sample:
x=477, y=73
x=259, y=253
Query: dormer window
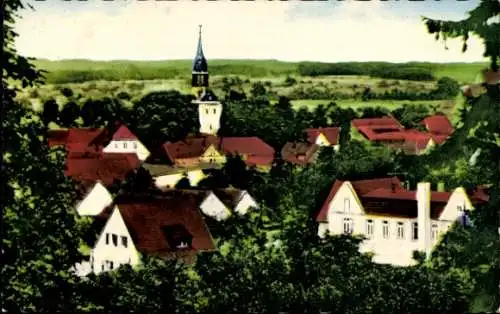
x=125, y=145
x=178, y=237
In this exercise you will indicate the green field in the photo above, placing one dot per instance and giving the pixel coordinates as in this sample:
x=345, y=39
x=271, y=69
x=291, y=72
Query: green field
x=77, y=71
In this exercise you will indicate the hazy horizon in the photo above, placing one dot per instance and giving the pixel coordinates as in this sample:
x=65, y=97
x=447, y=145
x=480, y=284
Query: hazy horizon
x=344, y=31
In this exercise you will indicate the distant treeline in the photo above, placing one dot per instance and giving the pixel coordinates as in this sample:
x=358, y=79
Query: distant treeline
x=78, y=71
x=407, y=71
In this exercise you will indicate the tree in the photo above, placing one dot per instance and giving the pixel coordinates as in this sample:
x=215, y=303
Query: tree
x=478, y=131
x=50, y=111
x=446, y=88
x=373, y=112
x=69, y=114
x=258, y=90
x=183, y=183
x=40, y=231
x=67, y=92
x=411, y=115
x=161, y=116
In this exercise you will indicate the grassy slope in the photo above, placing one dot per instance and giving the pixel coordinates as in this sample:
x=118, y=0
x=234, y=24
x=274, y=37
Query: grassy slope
x=120, y=69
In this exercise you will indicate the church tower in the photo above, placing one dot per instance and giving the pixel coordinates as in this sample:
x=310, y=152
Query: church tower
x=209, y=108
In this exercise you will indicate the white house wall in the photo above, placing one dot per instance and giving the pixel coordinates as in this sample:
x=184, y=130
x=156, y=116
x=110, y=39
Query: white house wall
x=170, y=180
x=130, y=146
x=95, y=201
x=246, y=202
x=107, y=250
x=209, y=116
x=458, y=198
x=213, y=207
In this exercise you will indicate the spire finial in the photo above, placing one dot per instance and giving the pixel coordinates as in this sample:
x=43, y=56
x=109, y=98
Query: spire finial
x=200, y=29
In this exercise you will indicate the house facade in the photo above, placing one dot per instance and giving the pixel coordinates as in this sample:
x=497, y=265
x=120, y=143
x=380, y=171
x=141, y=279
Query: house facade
x=395, y=221
x=115, y=138
x=328, y=136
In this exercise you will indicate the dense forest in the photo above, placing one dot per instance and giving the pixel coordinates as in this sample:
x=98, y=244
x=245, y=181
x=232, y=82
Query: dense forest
x=270, y=261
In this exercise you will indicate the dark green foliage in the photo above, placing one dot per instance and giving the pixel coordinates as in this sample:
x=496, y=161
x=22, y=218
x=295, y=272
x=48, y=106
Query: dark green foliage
x=258, y=90
x=69, y=114
x=50, y=111
x=375, y=69
x=373, y=112
x=183, y=183
x=67, y=92
x=161, y=116
x=410, y=115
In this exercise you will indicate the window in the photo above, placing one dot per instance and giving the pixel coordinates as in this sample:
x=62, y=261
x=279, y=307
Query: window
x=414, y=229
x=400, y=231
x=110, y=264
x=214, y=111
x=210, y=127
x=124, y=241
x=125, y=145
x=116, y=145
x=206, y=111
x=200, y=79
x=369, y=228
x=385, y=229
x=135, y=145
x=114, y=237
x=347, y=205
x=178, y=237
x=348, y=227
x=107, y=238
x=102, y=266
x=434, y=231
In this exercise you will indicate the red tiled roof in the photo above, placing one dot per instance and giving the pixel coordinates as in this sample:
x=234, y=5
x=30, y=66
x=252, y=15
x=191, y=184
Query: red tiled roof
x=246, y=146
x=331, y=134
x=189, y=147
x=438, y=124
x=104, y=167
x=387, y=121
x=57, y=137
x=361, y=187
x=123, y=133
x=79, y=139
x=299, y=153
x=259, y=160
x=146, y=216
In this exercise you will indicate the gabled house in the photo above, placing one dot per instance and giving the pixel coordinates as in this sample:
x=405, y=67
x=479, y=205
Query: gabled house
x=115, y=138
x=395, y=221
x=238, y=201
x=149, y=224
x=300, y=153
x=324, y=136
x=211, y=150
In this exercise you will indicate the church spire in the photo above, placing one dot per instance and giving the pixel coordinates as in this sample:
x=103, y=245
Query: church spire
x=200, y=63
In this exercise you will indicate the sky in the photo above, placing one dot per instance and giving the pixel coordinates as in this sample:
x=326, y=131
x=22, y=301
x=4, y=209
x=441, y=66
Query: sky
x=328, y=31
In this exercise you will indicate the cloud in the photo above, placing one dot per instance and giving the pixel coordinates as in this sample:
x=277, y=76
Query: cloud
x=155, y=30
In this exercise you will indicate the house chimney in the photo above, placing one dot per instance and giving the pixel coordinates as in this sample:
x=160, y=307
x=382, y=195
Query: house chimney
x=424, y=217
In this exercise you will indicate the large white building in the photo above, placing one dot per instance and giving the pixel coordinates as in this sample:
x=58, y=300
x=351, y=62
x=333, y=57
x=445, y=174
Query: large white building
x=395, y=221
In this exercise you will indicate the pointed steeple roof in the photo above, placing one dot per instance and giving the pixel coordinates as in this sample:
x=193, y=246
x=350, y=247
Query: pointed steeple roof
x=199, y=62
